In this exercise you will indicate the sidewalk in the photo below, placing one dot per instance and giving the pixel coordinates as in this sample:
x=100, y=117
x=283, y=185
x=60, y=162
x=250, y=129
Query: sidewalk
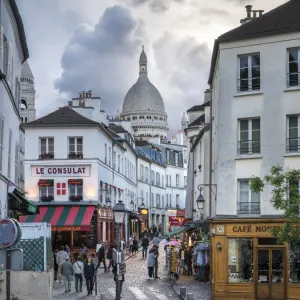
x=200, y=290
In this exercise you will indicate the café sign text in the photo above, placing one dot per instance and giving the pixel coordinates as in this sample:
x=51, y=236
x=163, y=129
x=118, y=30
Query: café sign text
x=60, y=171
x=253, y=228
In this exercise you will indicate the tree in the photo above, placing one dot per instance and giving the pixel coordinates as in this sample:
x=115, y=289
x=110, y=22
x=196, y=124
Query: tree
x=284, y=197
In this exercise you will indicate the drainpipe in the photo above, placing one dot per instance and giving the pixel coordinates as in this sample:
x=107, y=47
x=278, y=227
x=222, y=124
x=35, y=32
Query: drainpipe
x=210, y=154
x=150, y=197
x=193, y=187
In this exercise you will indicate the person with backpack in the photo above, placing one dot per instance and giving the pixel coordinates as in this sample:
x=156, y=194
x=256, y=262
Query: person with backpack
x=61, y=257
x=145, y=244
x=78, y=270
x=89, y=272
x=101, y=258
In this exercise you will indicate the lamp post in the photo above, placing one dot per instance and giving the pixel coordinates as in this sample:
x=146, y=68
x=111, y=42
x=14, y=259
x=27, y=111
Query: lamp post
x=119, y=214
x=200, y=200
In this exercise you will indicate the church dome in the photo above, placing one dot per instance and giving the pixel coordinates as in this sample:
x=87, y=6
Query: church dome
x=26, y=71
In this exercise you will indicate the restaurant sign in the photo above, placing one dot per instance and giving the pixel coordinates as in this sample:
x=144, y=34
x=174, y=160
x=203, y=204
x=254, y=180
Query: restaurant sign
x=60, y=171
x=70, y=228
x=253, y=228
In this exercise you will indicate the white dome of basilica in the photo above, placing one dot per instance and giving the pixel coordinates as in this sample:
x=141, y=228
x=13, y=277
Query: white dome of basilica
x=144, y=106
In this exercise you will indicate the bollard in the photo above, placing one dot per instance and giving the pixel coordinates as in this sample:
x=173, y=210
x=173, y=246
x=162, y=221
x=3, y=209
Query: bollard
x=182, y=291
x=102, y=297
x=189, y=296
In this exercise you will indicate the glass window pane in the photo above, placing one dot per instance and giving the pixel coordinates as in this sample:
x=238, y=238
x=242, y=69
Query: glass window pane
x=293, y=122
x=293, y=55
x=255, y=124
x=255, y=72
x=244, y=61
x=294, y=262
x=240, y=260
x=244, y=125
x=263, y=263
x=43, y=146
x=293, y=67
x=277, y=266
x=255, y=60
x=50, y=145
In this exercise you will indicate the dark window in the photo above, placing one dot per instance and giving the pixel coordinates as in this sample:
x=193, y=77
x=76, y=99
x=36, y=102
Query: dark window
x=293, y=75
x=293, y=140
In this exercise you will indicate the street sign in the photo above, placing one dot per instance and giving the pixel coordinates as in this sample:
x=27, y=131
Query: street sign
x=118, y=257
x=121, y=269
x=10, y=233
x=16, y=259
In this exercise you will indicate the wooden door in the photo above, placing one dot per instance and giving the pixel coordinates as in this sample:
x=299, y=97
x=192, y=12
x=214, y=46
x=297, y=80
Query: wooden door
x=270, y=274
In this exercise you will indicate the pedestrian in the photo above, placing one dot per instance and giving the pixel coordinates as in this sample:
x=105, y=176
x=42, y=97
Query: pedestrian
x=78, y=270
x=145, y=244
x=156, y=240
x=67, y=249
x=151, y=264
x=101, y=257
x=60, y=259
x=188, y=255
x=94, y=259
x=130, y=243
x=110, y=256
x=114, y=270
x=135, y=246
x=154, y=249
x=55, y=265
x=89, y=272
x=68, y=272
x=84, y=252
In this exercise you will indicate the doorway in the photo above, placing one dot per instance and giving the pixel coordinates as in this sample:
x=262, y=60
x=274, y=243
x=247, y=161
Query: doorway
x=270, y=274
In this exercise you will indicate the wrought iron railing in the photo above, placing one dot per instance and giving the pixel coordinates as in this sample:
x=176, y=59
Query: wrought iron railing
x=46, y=156
x=293, y=79
x=249, y=84
x=248, y=208
x=46, y=198
x=293, y=144
x=248, y=147
x=75, y=155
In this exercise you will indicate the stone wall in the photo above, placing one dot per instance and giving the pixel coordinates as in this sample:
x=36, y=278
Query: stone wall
x=28, y=285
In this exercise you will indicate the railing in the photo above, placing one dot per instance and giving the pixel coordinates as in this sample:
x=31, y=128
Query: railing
x=248, y=208
x=75, y=155
x=249, y=84
x=46, y=156
x=248, y=147
x=46, y=198
x=75, y=198
x=293, y=79
x=293, y=144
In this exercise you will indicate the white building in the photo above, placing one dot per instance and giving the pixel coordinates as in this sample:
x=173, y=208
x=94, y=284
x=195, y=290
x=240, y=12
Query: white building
x=13, y=52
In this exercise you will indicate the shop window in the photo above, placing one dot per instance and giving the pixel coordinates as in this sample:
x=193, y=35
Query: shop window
x=294, y=262
x=75, y=190
x=240, y=260
x=46, y=190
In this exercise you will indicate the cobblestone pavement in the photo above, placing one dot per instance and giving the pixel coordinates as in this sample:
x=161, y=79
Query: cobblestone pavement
x=137, y=285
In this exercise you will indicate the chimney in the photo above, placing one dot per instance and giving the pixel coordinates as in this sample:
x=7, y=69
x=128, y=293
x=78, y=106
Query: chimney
x=248, y=10
x=90, y=93
x=251, y=14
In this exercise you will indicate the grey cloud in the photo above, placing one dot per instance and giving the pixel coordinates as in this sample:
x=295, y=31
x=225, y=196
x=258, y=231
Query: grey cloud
x=154, y=5
x=214, y=11
x=100, y=58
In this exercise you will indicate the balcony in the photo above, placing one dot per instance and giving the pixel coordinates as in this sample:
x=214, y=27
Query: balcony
x=293, y=79
x=248, y=208
x=293, y=144
x=46, y=156
x=249, y=84
x=75, y=198
x=46, y=198
x=74, y=155
x=248, y=147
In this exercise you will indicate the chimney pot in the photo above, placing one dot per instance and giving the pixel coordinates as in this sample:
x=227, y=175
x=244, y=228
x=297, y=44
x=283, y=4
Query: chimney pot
x=254, y=14
x=248, y=10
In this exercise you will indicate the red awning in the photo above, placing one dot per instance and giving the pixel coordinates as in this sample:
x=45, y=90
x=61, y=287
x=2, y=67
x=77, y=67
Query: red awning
x=180, y=213
x=183, y=222
x=77, y=218
x=75, y=181
x=48, y=182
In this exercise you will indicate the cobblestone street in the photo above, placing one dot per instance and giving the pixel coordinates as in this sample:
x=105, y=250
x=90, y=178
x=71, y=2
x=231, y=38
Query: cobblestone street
x=137, y=285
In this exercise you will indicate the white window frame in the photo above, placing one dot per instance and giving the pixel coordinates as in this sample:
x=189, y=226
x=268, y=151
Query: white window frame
x=288, y=67
x=177, y=180
x=76, y=189
x=48, y=191
x=249, y=135
x=76, y=151
x=119, y=163
x=9, y=154
x=177, y=200
x=249, y=68
x=249, y=196
x=109, y=156
x=288, y=130
x=146, y=174
x=105, y=151
x=114, y=160
x=47, y=145
x=17, y=151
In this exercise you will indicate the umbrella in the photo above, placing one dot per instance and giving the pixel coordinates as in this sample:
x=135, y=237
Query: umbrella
x=164, y=242
x=173, y=243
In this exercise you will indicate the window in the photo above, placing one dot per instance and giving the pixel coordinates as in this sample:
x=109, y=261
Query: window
x=152, y=199
x=119, y=162
x=146, y=174
x=75, y=147
x=46, y=190
x=240, y=260
x=184, y=181
x=167, y=200
x=105, y=150
x=157, y=179
x=177, y=179
x=5, y=55
x=157, y=201
x=146, y=203
x=177, y=200
x=167, y=183
x=176, y=159
x=249, y=202
x=75, y=190
x=109, y=156
x=162, y=181
x=17, y=164
x=9, y=154
x=47, y=148
x=142, y=173
x=170, y=180
x=163, y=201
x=249, y=136
x=114, y=160
x=1, y=137
x=168, y=156
x=152, y=177
x=61, y=188
x=293, y=197
x=101, y=192
x=23, y=104
x=293, y=134
x=294, y=255
x=249, y=72
x=293, y=67
x=170, y=199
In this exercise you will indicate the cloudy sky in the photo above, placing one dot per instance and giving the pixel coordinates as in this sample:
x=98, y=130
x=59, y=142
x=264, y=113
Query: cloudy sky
x=78, y=45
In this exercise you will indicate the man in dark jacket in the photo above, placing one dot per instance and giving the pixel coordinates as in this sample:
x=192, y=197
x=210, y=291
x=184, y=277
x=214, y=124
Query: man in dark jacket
x=101, y=258
x=110, y=256
x=145, y=244
x=55, y=265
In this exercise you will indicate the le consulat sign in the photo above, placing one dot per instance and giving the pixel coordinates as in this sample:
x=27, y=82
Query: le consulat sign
x=60, y=171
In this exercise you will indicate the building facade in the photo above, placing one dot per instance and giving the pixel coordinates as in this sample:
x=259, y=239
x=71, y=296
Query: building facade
x=255, y=90
x=13, y=52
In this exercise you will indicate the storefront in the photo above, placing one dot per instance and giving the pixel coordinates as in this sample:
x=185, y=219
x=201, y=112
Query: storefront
x=106, y=229
x=247, y=262
x=71, y=225
x=144, y=220
x=175, y=217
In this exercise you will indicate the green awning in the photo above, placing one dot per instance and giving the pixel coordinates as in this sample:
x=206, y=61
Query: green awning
x=18, y=201
x=177, y=231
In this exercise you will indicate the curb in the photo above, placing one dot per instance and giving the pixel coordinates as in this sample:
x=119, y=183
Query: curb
x=130, y=256
x=180, y=297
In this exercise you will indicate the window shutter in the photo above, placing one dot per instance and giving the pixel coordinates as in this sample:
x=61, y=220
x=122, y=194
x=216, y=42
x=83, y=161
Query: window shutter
x=1, y=48
x=9, y=70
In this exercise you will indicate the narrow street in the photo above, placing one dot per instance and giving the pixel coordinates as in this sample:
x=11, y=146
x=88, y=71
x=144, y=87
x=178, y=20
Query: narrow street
x=137, y=285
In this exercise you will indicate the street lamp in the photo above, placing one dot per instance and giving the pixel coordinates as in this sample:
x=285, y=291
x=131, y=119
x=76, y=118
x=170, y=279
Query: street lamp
x=119, y=212
x=200, y=200
x=132, y=204
x=108, y=201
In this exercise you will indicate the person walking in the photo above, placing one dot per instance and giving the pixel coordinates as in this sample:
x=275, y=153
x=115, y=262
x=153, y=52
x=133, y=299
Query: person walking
x=135, y=246
x=151, y=264
x=84, y=252
x=109, y=256
x=55, y=265
x=78, y=270
x=101, y=258
x=145, y=245
x=156, y=240
x=131, y=243
x=154, y=249
x=67, y=249
x=68, y=272
x=89, y=272
x=60, y=259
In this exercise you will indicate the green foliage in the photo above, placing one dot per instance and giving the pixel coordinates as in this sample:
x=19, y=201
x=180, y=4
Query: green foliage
x=14, y=297
x=284, y=189
x=1, y=282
